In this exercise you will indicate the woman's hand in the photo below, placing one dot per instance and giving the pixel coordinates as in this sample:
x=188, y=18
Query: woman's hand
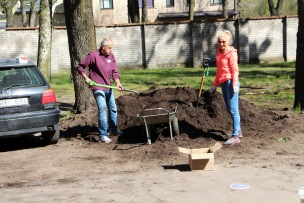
x=213, y=89
x=236, y=89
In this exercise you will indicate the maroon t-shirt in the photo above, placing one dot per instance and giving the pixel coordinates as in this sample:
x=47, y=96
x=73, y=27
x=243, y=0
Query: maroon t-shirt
x=101, y=68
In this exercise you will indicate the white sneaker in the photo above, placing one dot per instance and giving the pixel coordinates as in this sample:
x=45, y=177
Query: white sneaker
x=105, y=139
x=240, y=135
x=233, y=140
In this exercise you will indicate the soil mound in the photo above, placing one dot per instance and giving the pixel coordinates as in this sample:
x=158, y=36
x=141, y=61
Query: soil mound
x=200, y=120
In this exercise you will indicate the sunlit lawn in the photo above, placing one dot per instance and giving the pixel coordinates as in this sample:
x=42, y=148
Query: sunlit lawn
x=269, y=85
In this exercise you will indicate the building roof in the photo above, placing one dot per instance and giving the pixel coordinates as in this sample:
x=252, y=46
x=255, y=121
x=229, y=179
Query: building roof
x=196, y=14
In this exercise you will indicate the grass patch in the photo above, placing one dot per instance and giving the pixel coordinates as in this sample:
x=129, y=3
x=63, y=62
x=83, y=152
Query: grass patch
x=161, y=78
x=267, y=85
x=62, y=84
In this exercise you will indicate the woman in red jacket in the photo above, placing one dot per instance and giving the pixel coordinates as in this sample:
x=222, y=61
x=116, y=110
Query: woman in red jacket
x=227, y=76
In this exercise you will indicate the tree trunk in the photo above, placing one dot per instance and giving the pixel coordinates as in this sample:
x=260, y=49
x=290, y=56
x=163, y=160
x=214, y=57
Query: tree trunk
x=82, y=40
x=8, y=6
x=144, y=11
x=23, y=11
x=225, y=8
x=9, y=17
x=275, y=11
x=32, y=17
x=191, y=10
x=133, y=9
x=45, y=38
x=299, y=82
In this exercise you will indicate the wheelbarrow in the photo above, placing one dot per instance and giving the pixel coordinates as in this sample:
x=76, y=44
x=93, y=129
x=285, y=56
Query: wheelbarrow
x=158, y=116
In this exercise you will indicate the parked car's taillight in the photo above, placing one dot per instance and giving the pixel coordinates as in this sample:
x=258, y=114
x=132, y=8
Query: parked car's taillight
x=48, y=99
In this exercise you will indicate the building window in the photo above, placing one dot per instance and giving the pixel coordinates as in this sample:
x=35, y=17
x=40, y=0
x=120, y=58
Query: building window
x=170, y=3
x=106, y=4
x=188, y=2
x=150, y=3
x=216, y=2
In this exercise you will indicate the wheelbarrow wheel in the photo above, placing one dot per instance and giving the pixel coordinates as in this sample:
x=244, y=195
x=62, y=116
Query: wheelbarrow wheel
x=175, y=126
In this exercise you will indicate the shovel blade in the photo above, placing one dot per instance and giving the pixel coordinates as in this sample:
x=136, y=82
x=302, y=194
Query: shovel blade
x=128, y=90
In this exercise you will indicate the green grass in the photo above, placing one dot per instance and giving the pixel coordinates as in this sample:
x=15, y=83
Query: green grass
x=62, y=84
x=268, y=85
x=169, y=77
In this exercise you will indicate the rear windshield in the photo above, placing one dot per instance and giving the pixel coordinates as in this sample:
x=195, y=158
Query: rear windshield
x=19, y=77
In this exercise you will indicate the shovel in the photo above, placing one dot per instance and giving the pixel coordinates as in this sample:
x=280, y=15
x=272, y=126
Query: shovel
x=205, y=72
x=92, y=83
x=149, y=92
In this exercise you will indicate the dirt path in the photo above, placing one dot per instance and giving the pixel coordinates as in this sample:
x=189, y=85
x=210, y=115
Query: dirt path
x=77, y=169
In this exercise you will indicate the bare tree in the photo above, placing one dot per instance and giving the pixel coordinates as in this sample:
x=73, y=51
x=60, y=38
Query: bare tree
x=23, y=12
x=144, y=14
x=299, y=82
x=275, y=11
x=8, y=6
x=191, y=10
x=225, y=8
x=45, y=39
x=133, y=9
x=82, y=40
x=32, y=17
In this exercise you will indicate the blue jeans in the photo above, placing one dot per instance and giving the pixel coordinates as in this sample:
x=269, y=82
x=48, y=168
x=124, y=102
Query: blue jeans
x=232, y=104
x=107, y=111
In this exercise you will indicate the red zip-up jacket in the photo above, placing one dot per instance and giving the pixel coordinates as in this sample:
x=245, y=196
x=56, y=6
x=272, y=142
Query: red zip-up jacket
x=227, y=67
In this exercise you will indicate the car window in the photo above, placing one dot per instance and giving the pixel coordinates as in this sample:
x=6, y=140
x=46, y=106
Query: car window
x=19, y=76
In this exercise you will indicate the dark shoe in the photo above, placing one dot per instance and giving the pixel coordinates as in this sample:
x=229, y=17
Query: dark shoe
x=116, y=132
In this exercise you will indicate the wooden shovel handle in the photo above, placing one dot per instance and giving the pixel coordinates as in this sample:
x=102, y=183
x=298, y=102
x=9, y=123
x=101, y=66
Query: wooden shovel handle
x=202, y=82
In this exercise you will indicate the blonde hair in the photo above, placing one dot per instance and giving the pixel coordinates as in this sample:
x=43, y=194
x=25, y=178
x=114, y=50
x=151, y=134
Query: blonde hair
x=227, y=35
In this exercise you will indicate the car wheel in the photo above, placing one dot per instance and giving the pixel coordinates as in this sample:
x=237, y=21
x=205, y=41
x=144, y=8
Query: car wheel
x=51, y=137
x=175, y=125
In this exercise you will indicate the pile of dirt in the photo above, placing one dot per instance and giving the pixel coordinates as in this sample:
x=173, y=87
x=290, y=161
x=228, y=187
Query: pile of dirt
x=201, y=121
x=269, y=157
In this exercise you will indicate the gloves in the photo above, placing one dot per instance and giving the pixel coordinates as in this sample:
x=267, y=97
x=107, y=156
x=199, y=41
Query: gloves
x=213, y=88
x=236, y=89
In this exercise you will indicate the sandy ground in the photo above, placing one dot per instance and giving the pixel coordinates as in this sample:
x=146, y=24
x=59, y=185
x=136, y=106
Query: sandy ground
x=269, y=159
x=80, y=171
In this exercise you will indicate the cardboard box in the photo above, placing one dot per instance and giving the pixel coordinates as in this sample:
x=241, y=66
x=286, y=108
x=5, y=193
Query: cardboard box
x=202, y=158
